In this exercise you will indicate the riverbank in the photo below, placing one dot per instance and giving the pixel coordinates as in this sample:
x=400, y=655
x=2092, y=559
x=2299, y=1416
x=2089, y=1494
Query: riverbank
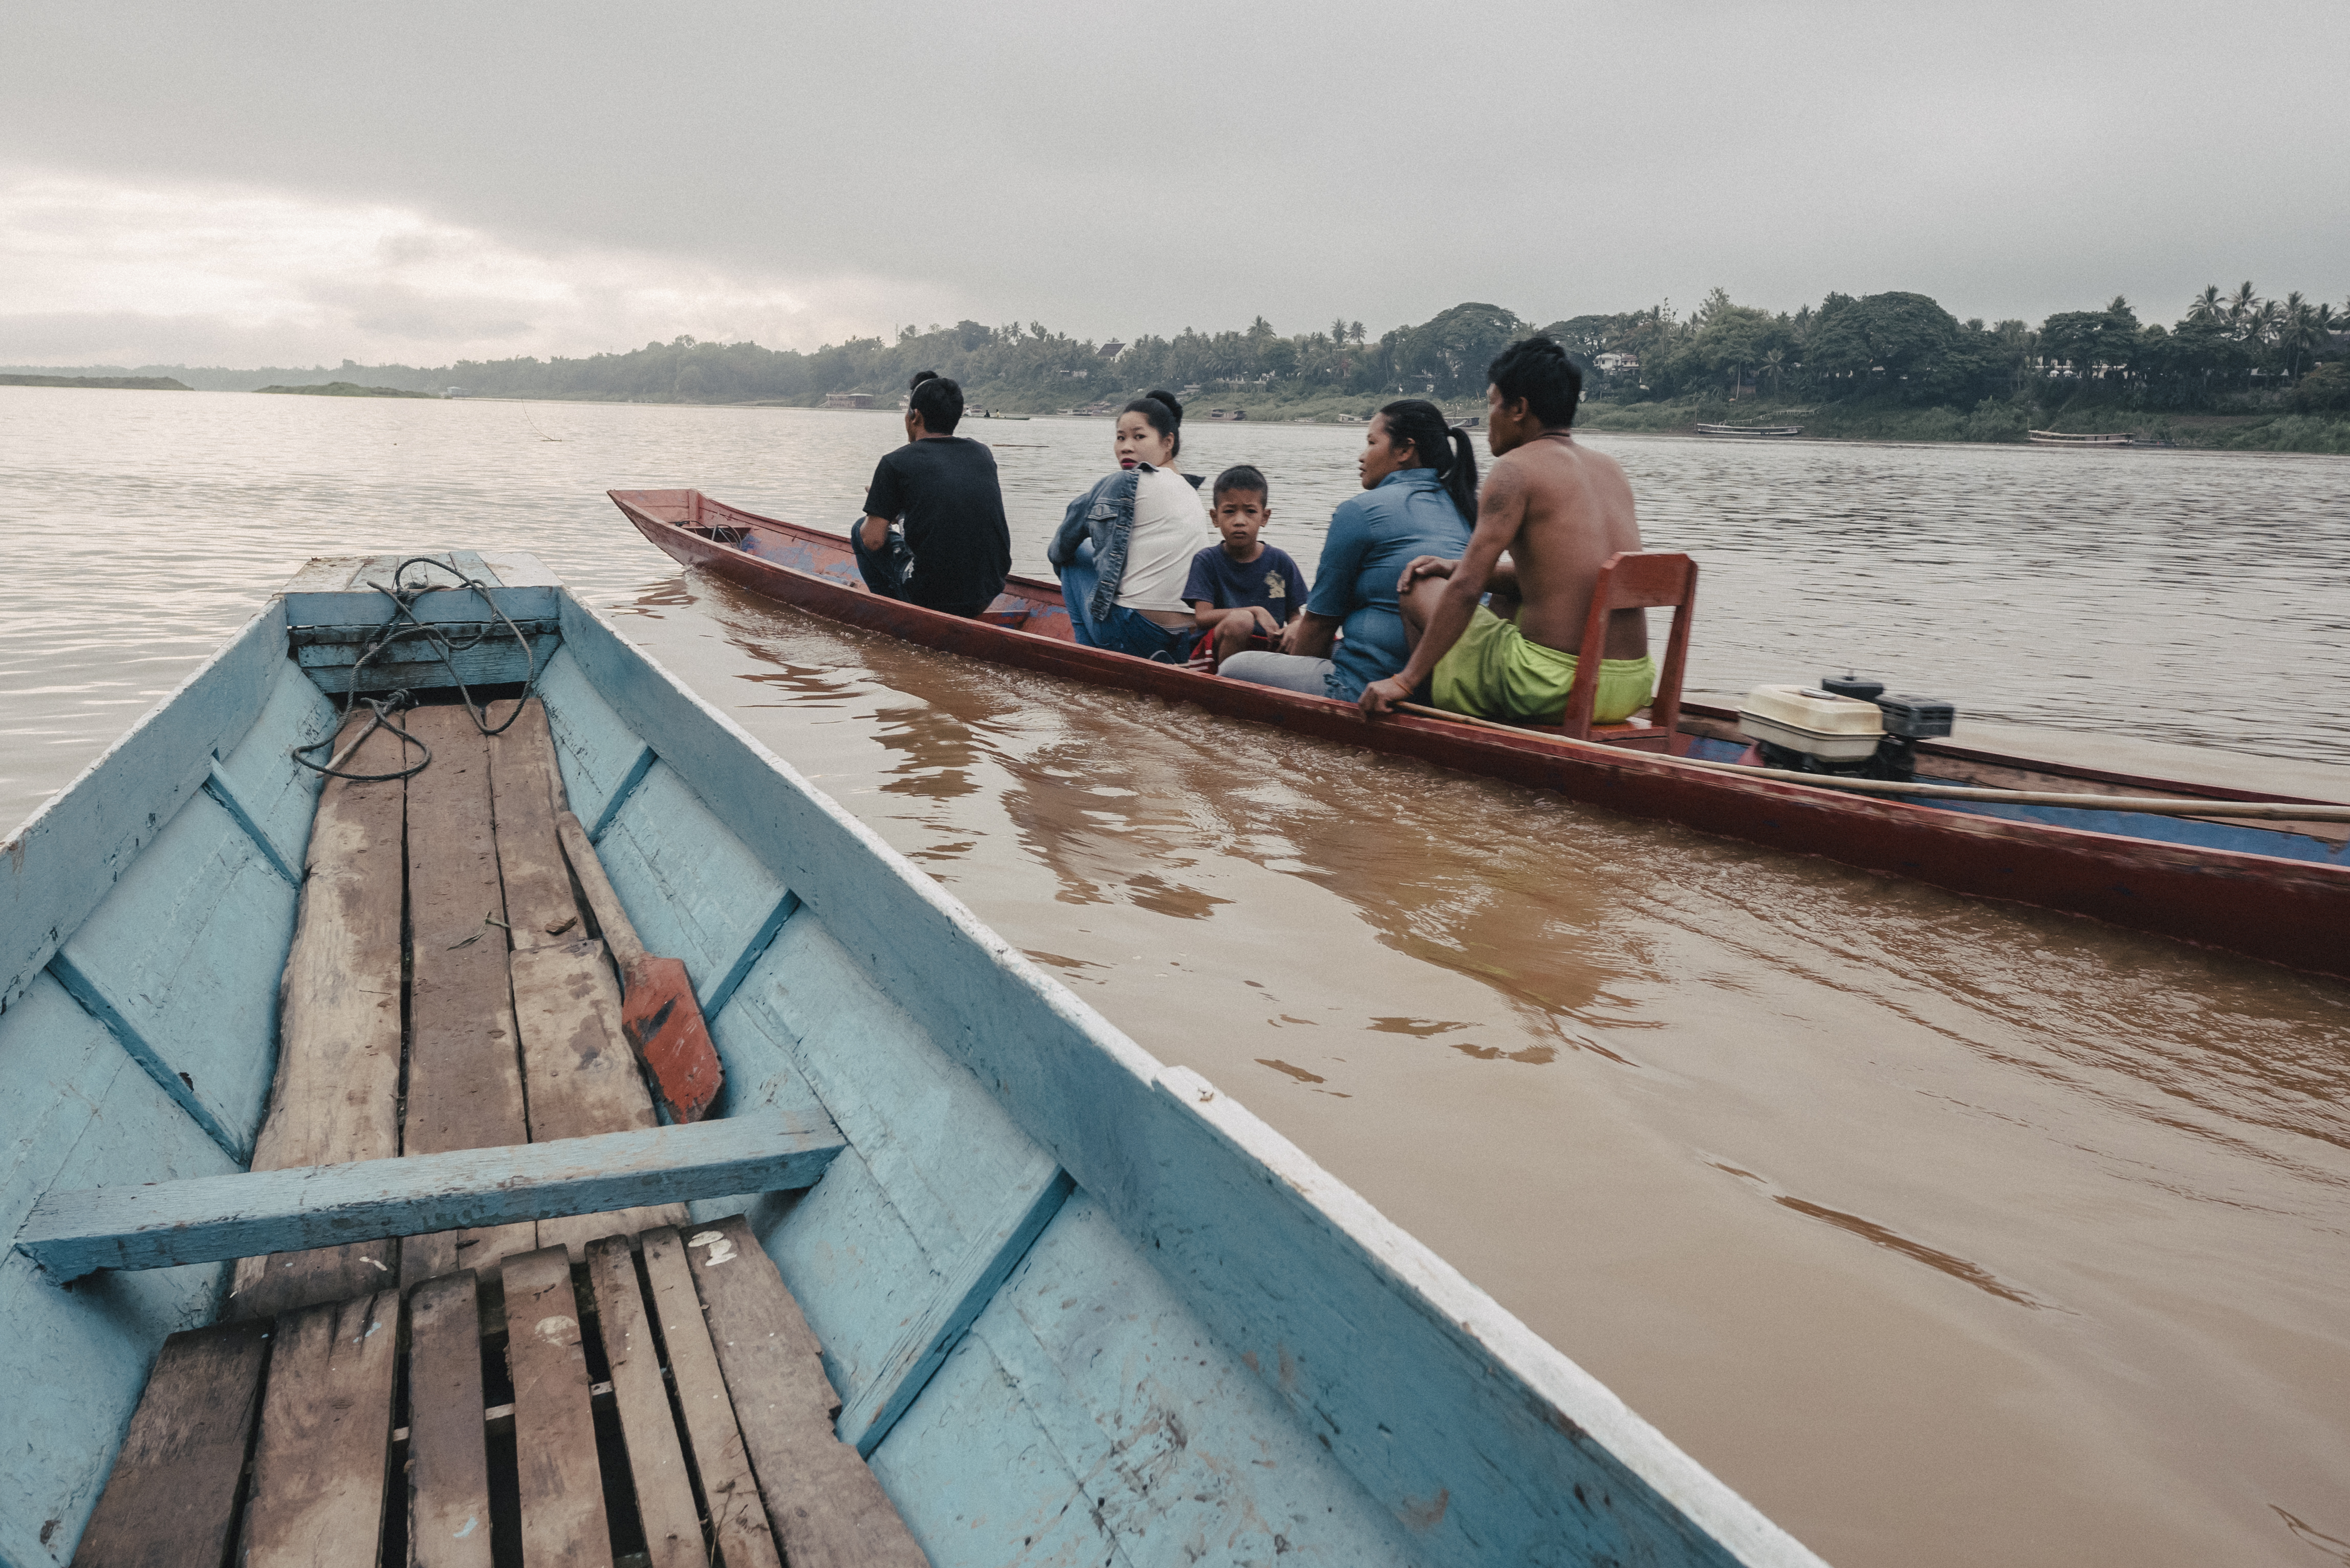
x=1988, y=421
x=2280, y=430
x=109, y=383
x=1997, y=423
x=344, y=390
x=2277, y=429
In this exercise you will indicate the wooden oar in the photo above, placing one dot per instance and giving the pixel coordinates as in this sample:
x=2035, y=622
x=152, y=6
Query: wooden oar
x=658, y=1009
x=2268, y=810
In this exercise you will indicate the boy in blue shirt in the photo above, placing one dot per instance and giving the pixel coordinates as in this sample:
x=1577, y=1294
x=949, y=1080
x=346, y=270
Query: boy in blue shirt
x=1242, y=587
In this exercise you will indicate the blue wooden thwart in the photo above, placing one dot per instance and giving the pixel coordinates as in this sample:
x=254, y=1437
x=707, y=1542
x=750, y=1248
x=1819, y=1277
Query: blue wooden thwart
x=210, y=1218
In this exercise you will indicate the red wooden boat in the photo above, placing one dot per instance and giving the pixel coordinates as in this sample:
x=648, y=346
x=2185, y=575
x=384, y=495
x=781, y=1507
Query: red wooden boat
x=2277, y=891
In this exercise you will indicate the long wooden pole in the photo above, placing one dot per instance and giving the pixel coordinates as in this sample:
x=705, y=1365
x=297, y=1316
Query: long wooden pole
x=620, y=935
x=2275, y=811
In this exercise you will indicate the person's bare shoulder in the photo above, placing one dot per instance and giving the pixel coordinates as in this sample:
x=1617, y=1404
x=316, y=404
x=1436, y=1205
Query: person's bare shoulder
x=1592, y=460
x=1505, y=482
x=1601, y=474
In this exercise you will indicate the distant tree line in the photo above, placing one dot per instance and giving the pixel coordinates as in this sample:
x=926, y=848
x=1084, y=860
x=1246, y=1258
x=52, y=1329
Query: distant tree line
x=1896, y=348
x=1447, y=356
x=1905, y=348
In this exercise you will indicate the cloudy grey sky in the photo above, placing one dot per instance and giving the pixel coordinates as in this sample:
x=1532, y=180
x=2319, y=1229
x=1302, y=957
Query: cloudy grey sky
x=285, y=183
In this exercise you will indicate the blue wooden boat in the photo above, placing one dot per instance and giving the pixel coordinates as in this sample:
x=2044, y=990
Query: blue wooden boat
x=1073, y=1306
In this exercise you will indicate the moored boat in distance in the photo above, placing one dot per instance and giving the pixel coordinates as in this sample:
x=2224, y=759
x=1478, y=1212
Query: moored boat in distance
x=1766, y=432
x=1069, y=1305
x=2070, y=437
x=2272, y=885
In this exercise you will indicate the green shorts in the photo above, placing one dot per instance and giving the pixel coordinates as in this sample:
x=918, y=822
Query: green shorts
x=1494, y=673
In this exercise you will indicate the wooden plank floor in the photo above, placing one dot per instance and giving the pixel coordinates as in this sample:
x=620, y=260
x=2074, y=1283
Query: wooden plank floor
x=538, y=1393
x=556, y=1429
x=511, y=1032
x=336, y=1097
x=465, y=1075
x=174, y=1496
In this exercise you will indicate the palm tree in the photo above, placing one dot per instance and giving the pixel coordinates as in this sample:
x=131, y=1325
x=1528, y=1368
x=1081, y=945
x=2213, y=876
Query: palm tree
x=1774, y=365
x=2242, y=307
x=2297, y=332
x=2209, y=306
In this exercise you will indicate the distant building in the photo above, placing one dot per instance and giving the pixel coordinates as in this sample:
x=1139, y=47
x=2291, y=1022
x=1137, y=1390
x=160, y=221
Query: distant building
x=1613, y=364
x=1111, y=349
x=848, y=399
x=454, y=392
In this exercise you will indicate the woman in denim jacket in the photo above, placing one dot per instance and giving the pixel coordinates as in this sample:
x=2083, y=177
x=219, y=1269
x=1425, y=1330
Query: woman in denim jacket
x=1124, y=548
x=1419, y=498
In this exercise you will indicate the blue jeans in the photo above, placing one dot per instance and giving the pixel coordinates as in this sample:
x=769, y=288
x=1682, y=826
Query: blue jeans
x=1290, y=671
x=1125, y=630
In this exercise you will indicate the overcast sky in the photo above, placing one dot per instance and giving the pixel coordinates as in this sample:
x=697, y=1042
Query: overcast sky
x=281, y=185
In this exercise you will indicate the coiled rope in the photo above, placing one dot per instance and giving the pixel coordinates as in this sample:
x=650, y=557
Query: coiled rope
x=402, y=626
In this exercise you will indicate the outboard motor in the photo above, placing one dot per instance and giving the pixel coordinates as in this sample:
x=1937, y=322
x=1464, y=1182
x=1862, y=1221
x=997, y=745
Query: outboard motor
x=1845, y=726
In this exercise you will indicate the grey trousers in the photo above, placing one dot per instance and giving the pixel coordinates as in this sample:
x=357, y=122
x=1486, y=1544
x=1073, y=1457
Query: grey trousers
x=1290, y=671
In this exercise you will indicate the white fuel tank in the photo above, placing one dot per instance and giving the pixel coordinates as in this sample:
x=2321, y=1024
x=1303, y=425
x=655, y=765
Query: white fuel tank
x=1814, y=723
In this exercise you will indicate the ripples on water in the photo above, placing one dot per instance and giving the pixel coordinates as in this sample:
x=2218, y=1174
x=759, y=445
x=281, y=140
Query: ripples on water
x=1947, y=1232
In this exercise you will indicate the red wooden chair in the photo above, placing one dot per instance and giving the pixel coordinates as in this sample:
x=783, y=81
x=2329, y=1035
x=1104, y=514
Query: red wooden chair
x=1631, y=580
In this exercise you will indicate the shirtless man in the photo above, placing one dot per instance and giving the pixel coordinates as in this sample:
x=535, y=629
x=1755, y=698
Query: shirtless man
x=1558, y=511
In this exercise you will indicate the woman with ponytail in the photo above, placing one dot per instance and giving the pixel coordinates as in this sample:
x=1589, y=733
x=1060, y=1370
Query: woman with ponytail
x=1125, y=546
x=1419, y=498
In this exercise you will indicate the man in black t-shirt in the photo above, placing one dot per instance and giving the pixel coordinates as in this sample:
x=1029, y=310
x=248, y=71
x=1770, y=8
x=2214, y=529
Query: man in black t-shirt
x=934, y=532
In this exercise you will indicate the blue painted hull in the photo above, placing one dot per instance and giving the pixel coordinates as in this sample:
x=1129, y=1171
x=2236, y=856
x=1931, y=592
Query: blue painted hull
x=2235, y=838
x=1163, y=1336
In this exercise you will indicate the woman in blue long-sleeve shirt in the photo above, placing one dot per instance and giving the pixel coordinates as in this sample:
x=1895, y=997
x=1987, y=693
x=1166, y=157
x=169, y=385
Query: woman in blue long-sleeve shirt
x=1419, y=498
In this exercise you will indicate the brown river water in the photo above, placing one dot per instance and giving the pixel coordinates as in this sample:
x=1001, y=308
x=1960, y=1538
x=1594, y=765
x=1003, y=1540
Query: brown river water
x=1949, y=1233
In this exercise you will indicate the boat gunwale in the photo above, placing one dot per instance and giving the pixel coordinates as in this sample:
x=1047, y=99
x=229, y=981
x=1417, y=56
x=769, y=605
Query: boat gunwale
x=156, y=807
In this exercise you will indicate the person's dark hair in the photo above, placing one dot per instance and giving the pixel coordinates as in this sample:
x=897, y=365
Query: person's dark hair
x=1538, y=370
x=1436, y=444
x=1241, y=476
x=1166, y=417
x=937, y=400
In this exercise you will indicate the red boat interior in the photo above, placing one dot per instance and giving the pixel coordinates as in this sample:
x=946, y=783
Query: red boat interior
x=1629, y=581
